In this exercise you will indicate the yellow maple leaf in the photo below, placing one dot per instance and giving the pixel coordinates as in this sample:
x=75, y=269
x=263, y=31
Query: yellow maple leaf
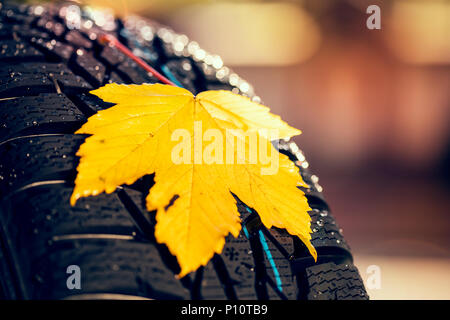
x=161, y=129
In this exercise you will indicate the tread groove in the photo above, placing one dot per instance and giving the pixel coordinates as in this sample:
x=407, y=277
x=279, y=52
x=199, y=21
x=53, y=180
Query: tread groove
x=224, y=277
x=147, y=230
x=260, y=269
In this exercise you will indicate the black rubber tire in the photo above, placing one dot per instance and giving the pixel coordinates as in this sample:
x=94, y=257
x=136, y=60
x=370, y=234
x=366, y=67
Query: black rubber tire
x=46, y=71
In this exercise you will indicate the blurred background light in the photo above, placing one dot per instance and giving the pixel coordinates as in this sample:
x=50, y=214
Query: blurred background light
x=251, y=34
x=420, y=31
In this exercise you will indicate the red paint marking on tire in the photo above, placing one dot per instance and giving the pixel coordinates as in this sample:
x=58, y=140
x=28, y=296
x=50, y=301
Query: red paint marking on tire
x=107, y=38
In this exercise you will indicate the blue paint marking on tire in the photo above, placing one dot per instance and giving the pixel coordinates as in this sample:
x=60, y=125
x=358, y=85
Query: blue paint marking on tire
x=170, y=75
x=263, y=241
x=265, y=246
x=146, y=54
x=246, y=232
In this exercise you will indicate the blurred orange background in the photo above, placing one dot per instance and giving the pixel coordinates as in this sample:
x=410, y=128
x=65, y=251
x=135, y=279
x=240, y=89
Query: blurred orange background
x=373, y=105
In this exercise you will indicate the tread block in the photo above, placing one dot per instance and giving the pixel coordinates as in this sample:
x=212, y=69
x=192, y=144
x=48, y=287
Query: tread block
x=335, y=282
x=27, y=115
x=135, y=73
x=107, y=266
x=51, y=25
x=211, y=287
x=4, y=33
x=91, y=66
x=26, y=79
x=124, y=70
x=62, y=50
x=14, y=8
x=41, y=217
x=18, y=50
x=33, y=159
x=239, y=261
x=326, y=232
x=21, y=31
x=112, y=55
x=31, y=33
x=115, y=78
x=75, y=38
x=11, y=12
